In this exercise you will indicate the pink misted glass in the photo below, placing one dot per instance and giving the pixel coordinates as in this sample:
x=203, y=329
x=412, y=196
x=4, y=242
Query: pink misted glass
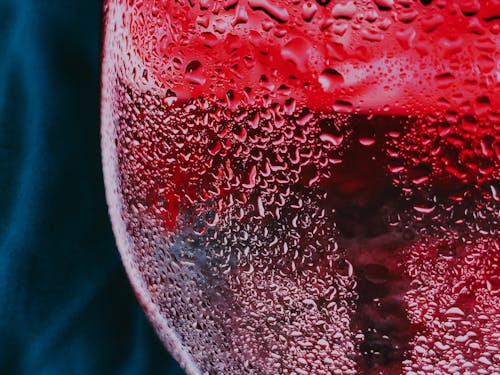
x=308, y=187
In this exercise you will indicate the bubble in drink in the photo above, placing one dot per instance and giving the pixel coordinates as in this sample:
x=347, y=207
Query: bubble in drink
x=309, y=187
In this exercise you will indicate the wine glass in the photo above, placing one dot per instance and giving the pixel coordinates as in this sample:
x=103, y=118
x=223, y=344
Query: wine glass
x=308, y=187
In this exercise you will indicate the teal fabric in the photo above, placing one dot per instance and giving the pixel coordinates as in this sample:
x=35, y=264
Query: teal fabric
x=66, y=306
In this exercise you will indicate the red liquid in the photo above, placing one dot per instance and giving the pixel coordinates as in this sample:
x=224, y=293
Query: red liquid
x=292, y=217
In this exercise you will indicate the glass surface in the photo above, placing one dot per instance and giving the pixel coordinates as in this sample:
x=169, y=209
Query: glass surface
x=308, y=187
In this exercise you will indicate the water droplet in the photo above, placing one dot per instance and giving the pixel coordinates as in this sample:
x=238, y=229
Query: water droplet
x=345, y=11
x=308, y=11
x=342, y=106
x=297, y=51
x=332, y=139
x=272, y=9
x=455, y=313
x=193, y=73
x=330, y=79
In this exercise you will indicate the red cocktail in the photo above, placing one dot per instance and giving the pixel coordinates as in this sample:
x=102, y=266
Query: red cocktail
x=309, y=187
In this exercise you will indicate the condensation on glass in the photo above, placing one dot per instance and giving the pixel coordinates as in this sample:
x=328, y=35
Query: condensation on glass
x=309, y=187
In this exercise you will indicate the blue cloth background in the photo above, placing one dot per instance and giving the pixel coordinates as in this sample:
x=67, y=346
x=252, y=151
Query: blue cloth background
x=66, y=306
